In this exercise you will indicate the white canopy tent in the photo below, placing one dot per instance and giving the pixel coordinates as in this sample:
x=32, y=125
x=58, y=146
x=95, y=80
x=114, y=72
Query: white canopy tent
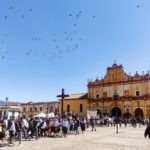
x=51, y=115
x=41, y=115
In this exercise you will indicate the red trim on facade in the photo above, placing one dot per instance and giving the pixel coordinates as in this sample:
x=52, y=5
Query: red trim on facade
x=116, y=83
x=123, y=98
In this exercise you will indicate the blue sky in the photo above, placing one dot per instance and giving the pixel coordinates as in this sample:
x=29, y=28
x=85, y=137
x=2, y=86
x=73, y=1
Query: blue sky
x=48, y=48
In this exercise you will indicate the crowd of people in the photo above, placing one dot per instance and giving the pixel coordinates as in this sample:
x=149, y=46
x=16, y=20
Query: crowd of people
x=14, y=129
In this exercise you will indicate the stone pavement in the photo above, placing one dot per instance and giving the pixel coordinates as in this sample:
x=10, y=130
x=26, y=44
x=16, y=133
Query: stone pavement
x=105, y=138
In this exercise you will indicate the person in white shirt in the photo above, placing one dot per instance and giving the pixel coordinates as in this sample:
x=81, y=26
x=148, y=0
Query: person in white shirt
x=25, y=126
x=12, y=130
x=65, y=126
x=43, y=128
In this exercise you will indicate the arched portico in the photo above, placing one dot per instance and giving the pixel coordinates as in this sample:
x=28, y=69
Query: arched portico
x=98, y=111
x=138, y=113
x=116, y=111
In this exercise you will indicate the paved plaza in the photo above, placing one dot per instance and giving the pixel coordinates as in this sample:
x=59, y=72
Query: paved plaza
x=104, y=138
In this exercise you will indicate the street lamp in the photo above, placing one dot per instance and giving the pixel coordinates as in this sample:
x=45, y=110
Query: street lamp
x=6, y=105
x=116, y=119
x=116, y=98
x=139, y=114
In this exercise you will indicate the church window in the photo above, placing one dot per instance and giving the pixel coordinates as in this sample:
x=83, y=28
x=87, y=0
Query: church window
x=68, y=108
x=116, y=97
x=137, y=93
x=97, y=96
x=81, y=107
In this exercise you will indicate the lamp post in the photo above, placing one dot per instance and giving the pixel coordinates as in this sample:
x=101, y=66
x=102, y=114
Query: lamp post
x=116, y=99
x=139, y=114
x=116, y=119
x=6, y=105
x=103, y=107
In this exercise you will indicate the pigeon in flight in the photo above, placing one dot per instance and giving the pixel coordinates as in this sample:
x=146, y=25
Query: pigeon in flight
x=11, y=8
x=22, y=16
x=5, y=17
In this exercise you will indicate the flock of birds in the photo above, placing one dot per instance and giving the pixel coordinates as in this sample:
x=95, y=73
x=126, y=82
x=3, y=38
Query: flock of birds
x=59, y=53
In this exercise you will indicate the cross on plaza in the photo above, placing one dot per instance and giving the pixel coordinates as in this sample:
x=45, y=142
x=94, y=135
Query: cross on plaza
x=63, y=95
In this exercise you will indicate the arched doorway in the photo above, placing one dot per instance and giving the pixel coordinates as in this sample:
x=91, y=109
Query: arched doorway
x=116, y=111
x=138, y=113
x=98, y=111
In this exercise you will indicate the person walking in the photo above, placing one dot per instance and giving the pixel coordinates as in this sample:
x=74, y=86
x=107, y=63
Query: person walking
x=93, y=124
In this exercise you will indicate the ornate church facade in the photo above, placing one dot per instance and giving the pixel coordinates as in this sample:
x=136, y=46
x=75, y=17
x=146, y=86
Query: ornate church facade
x=120, y=93
x=117, y=93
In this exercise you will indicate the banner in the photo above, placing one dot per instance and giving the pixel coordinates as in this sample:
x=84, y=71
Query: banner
x=91, y=114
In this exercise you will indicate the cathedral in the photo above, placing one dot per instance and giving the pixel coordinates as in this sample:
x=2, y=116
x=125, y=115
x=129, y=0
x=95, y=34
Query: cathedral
x=117, y=93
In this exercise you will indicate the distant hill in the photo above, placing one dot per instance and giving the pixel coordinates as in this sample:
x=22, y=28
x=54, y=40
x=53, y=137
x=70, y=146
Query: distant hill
x=2, y=103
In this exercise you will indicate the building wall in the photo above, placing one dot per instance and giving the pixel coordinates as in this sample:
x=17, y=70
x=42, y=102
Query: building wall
x=118, y=82
x=75, y=106
x=46, y=108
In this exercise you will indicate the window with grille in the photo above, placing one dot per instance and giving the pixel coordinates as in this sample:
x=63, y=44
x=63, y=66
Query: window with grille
x=31, y=109
x=41, y=108
x=35, y=109
x=81, y=107
x=137, y=93
x=97, y=96
x=116, y=97
x=68, y=108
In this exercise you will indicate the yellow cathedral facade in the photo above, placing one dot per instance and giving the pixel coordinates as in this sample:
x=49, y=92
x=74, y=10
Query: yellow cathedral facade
x=117, y=92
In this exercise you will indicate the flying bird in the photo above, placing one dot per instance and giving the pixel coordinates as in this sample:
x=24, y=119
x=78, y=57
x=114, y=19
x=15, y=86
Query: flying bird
x=22, y=16
x=11, y=8
x=5, y=17
x=2, y=57
x=76, y=46
x=78, y=16
x=6, y=35
x=38, y=28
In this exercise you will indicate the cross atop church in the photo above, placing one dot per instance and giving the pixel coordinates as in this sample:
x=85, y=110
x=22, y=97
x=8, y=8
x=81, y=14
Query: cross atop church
x=62, y=96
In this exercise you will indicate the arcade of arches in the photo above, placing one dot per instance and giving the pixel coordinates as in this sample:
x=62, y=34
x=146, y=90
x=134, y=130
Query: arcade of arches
x=120, y=110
